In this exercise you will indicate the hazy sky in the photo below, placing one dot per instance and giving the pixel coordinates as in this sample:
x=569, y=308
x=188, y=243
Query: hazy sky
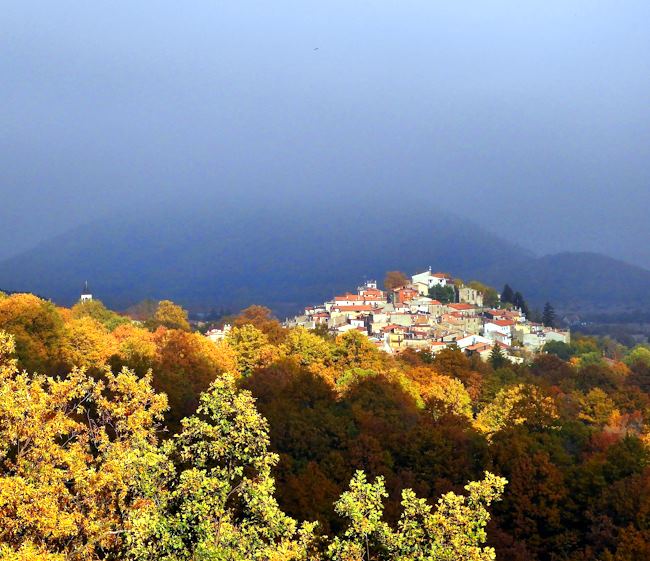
x=532, y=118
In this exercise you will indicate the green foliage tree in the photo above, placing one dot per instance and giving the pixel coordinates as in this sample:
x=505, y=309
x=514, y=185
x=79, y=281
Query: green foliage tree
x=639, y=355
x=497, y=357
x=445, y=294
x=548, y=316
x=559, y=349
x=507, y=295
x=454, y=530
x=519, y=302
x=219, y=502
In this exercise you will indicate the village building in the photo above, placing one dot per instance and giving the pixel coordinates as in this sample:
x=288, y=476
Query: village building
x=404, y=294
x=430, y=279
x=216, y=335
x=86, y=295
x=407, y=318
x=467, y=295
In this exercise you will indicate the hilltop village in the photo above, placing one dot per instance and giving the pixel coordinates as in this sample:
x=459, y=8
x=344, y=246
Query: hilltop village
x=410, y=317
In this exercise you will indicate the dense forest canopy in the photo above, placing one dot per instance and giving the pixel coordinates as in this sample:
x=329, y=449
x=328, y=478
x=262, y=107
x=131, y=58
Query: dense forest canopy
x=124, y=439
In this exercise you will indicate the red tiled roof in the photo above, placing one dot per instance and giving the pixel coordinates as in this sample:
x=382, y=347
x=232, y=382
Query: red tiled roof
x=478, y=347
x=348, y=297
x=461, y=306
x=503, y=322
x=392, y=326
x=361, y=308
x=372, y=291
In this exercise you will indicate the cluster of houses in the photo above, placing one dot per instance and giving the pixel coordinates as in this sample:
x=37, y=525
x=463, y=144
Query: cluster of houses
x=406, y=317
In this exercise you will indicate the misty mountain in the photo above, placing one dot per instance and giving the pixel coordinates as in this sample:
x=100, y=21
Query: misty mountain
x=286, y=258
x=580, y=281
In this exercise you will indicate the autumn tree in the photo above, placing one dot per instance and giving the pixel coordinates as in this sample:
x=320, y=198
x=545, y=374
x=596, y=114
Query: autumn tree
x=75, y=459
x=443, y=395
x=452, y=362
x=96, y=310
x=37, y=328
x=306, y=348
x=516, y=405
x=395, y=279
x=595, y=407
x=354, y=350
x=252, y=348
x=86, y=343
x=135, y=348
x=185, y=364
x=171, y=315
x=263, y=319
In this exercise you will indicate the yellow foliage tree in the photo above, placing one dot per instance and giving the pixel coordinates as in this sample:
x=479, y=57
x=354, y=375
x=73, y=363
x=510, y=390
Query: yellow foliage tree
x=306, y=348
x=136, y=348
x=516, y=405
x=75, y=457
x=37, y=328
x=96, y=310
x=171, y=315
x=252, y=348
x=87, y=343
x=354, y=350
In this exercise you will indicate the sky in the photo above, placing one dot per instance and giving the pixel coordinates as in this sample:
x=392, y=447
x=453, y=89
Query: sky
x=530, y=118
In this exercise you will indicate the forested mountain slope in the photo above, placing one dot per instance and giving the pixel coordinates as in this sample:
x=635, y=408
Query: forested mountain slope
x=286, y=258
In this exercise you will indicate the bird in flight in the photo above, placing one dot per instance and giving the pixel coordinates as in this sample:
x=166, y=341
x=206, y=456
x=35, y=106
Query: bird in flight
x=315, y=48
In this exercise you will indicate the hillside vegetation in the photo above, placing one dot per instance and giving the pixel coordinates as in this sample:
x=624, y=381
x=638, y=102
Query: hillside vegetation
x=145, y=440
